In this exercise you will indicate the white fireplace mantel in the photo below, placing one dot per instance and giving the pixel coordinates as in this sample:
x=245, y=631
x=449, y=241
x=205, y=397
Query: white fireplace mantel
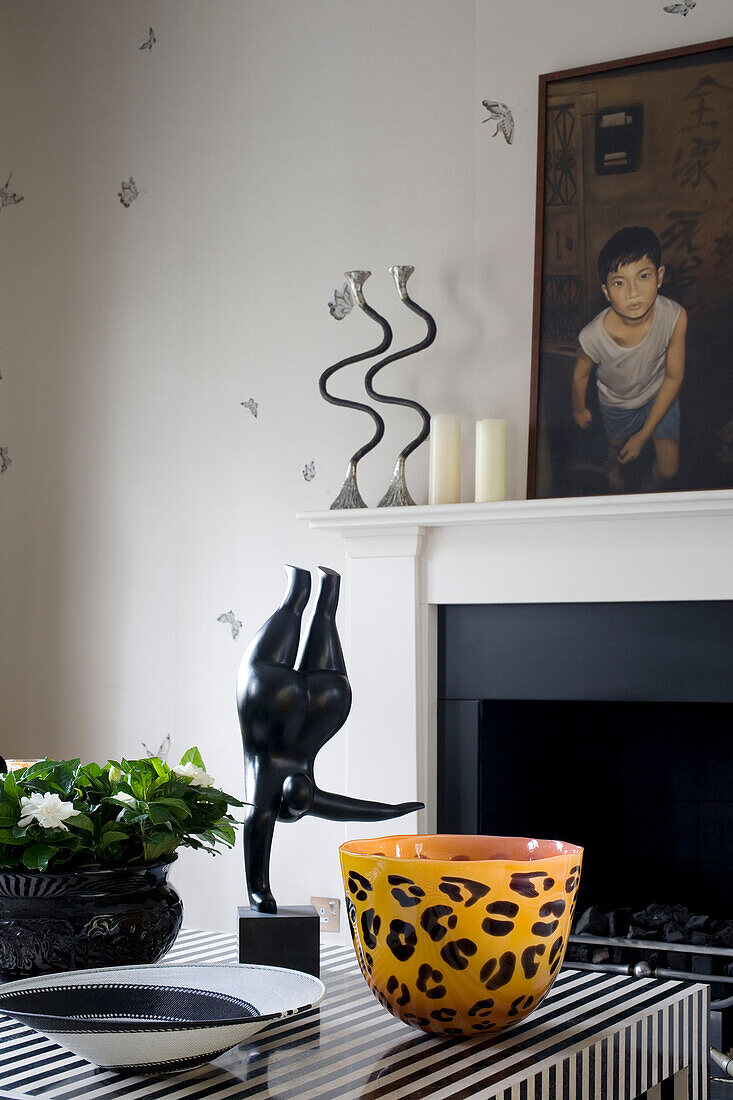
x=402, y=563
x=579, y=509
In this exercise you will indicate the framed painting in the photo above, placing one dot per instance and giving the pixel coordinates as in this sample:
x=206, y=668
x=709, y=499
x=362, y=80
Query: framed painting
x=632, y=348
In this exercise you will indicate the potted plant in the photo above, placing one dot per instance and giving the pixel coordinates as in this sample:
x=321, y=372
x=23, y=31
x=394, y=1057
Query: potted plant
x=85, y=851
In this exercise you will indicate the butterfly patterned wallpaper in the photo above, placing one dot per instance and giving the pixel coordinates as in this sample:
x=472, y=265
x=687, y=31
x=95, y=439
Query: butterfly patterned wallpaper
x=182, y=186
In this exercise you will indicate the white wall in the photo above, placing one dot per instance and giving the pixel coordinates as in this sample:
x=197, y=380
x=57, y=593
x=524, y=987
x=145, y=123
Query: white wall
x=275, y=145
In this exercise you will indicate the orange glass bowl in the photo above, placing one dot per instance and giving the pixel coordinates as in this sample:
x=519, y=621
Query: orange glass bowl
x=460, y=935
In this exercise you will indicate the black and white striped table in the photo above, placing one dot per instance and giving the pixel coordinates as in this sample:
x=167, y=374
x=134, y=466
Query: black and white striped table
x=596, y=1036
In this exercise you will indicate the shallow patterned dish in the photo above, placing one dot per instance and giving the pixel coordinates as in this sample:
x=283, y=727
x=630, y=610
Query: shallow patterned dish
x=460, y=935
x=158, y=1019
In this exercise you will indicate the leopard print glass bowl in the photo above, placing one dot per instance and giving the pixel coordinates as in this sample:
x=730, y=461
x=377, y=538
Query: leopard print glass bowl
x=460, y=935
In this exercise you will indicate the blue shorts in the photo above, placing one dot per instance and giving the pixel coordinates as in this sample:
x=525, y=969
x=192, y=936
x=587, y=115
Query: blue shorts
x=623, y=423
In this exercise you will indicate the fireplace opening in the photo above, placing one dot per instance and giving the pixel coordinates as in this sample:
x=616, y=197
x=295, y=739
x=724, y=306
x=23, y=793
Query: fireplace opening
x=645, y=787
x=606, y=725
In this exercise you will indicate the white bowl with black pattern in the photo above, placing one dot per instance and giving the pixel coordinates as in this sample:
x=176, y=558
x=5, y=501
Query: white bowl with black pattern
x=158, y=1019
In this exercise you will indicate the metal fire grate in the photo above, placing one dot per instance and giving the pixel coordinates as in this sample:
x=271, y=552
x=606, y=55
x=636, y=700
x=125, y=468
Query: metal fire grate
x=721, y=1008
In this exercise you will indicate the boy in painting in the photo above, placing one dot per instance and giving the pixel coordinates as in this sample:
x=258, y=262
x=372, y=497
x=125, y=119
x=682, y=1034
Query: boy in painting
x=638, y=346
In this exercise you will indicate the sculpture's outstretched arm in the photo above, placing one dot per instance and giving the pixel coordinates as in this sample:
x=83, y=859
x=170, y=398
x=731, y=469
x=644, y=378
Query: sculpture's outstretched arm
x=340, y=807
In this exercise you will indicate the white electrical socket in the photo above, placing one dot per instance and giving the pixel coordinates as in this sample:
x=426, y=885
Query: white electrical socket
x=329, y=913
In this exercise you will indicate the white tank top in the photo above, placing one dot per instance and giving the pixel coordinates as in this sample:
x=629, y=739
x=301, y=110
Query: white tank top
x=628, y=378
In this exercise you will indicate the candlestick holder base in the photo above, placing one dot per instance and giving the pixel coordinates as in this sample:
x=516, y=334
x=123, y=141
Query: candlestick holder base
x=397, y=495
x=349, y=495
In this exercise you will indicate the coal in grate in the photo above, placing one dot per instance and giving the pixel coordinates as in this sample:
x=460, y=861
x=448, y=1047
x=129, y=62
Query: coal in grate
x=675, y=925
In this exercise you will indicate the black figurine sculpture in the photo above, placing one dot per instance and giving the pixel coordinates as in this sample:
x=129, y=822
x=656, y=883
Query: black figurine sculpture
x=286, y=715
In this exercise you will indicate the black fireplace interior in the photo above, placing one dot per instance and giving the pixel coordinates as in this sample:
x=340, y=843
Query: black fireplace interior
x=608, y=725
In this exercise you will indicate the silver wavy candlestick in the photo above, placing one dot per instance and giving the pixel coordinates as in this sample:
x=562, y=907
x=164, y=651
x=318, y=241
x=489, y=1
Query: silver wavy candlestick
x=398, y=494
x=349, y=496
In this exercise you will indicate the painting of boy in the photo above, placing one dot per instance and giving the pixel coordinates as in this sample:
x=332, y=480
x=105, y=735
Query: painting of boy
x=631, y=385
x=637, y=347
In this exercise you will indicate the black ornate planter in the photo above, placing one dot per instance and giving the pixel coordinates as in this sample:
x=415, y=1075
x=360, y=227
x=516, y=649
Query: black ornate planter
x=72, y=920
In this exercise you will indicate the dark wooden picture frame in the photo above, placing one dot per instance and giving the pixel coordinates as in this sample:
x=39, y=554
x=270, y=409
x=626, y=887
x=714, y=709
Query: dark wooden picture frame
x=644, y=141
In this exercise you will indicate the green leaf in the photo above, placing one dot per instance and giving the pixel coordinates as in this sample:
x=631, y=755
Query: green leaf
x=161, y=815
x=12, y=790
x=162, y=769
x=209, y=794
x=36, y=857
x=63, y=775
x=52, y=787
x=158, y=784
x=81, y=821
x=194, y=756
x=160, y=834
x=114, y=836
x=7, y=836
x=41, y=768
x=176, y=804
x=225, y=833
x=156, y=850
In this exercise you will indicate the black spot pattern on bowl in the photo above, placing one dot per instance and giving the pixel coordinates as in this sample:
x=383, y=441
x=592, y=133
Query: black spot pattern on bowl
x=496, y=973
x=457, y=952
x=429, y=982
x=431, y=917
x=464, y=890
x=530, y=963
x=401, y=939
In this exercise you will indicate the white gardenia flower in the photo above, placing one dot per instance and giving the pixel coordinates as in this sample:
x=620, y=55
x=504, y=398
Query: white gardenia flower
x=127, y=800
x=47, y=809
x=123, y=796
x=197, y=775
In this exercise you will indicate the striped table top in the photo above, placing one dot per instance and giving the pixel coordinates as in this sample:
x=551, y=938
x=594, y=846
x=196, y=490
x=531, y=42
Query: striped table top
x=595, y=1036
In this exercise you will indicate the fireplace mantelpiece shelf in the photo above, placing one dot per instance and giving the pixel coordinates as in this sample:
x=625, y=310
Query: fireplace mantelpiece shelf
x=578, y=509
x=402, y=563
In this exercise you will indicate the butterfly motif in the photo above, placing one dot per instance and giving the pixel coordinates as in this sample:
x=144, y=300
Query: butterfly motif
x=341, y=303
x=680, y=9
x=128, y=192
x=149, y=41
x=252, y=405
x=309, y=471
x=5, y=459
x=8, y=197
x=234, y=622
x=163, y=749
x=500, y=113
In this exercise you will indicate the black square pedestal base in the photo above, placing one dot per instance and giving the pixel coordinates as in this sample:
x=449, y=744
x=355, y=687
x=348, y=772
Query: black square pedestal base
x=290, y=937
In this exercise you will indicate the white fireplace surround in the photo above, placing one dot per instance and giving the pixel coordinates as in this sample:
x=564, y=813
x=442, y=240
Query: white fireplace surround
x=404, y=562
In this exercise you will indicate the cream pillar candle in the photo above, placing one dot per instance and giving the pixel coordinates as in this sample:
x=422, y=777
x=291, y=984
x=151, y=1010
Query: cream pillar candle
x=445, y=459
x=490, y=460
